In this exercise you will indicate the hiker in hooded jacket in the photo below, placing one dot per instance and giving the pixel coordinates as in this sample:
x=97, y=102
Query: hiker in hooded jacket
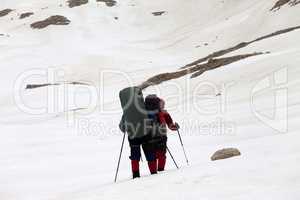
x=161, y=120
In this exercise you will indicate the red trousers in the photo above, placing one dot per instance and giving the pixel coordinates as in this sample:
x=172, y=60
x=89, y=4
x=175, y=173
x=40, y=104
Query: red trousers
x=161, y=159
x=135, y=166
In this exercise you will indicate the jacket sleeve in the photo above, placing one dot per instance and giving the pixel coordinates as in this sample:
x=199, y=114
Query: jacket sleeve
x=122, y=125
x=165, y=118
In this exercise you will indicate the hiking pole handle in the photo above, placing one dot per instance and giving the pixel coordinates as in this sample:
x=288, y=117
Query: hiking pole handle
x=117, y=171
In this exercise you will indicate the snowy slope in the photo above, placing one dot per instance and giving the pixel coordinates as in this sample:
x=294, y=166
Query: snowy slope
x=65, y=154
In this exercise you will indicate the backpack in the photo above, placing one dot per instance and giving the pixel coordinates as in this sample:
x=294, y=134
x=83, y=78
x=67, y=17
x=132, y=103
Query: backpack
x=135, y=116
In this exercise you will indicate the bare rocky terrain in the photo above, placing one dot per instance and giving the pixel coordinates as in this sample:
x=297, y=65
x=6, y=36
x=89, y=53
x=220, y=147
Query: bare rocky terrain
x=53, y=20
x=159, y=13
x=196, y=70
x=5, y=12
x=75, y=3
x=109, y=3
x=198, y=67
x=240, y=45
x=25, y=15
x=281, y=3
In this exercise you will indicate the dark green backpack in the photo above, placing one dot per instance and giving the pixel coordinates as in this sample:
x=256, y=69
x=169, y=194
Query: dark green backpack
x=135, y=119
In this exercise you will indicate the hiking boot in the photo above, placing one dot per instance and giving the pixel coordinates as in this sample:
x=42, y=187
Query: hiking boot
x=136, y=174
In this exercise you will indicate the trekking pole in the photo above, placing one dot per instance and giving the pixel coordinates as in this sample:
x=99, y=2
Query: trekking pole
x=117, y=171
x=187, y=161
x=172, y=158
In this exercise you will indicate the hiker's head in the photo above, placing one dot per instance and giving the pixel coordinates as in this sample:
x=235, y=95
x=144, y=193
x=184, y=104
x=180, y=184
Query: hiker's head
x=161, y=104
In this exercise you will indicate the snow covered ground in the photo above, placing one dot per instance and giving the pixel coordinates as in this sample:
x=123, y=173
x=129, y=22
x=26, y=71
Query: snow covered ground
x=49, y=150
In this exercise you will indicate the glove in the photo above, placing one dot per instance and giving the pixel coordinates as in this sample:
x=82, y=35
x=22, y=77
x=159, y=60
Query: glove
x=174, y=127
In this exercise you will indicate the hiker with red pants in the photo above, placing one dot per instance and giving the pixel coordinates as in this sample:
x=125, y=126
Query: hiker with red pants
x=165, y=120
x=136, y=124
x=135, y=155
x=161, y=119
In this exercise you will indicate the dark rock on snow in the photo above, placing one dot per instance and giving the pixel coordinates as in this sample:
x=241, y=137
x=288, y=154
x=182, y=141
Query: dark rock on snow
x=27, y=14
x=5, y=12
x=280, y=3
x=53, y=20
x=225, y=153
x=109, y=3
x=75, y=3
x=158, y=13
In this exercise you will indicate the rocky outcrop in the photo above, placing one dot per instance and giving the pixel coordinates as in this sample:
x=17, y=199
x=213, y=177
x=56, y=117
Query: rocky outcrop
x=159, y=13
x=25, y=15
x=75, y=3
x=199, y=66
x=109, y=3
x=34, y=86
x=5, y=12
x=225, y=153
x=240, y=46
x=53, y=20
x=280, y=3
x=196, y=70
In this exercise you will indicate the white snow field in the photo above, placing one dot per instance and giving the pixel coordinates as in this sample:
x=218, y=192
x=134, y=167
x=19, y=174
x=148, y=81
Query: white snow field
x=62, y=142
